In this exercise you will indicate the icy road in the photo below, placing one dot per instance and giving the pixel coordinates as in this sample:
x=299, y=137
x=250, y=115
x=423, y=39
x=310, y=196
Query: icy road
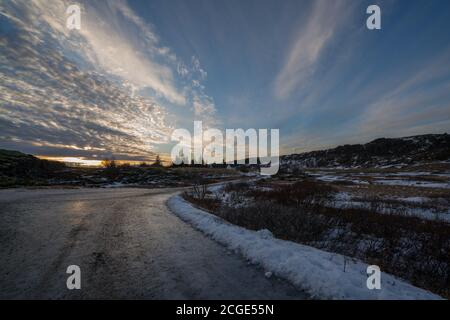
x=127, y=244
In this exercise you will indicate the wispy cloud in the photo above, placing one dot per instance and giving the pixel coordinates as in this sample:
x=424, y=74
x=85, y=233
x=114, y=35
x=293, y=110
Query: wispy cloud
x=390, y=104
x=139, y=60
x=419, y=104
x=308, y=45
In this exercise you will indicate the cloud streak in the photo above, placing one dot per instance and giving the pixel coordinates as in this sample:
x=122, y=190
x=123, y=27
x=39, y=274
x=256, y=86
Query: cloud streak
x=134, y=59
x=308, y=46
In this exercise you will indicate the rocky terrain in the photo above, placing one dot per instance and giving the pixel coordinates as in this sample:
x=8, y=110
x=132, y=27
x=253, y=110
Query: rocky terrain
x=378, y=153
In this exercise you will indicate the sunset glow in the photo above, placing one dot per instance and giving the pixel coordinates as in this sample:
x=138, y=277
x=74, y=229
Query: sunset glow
x=74, y=161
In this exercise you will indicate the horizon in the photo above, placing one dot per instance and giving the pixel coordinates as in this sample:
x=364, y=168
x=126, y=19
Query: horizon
x=86, y=162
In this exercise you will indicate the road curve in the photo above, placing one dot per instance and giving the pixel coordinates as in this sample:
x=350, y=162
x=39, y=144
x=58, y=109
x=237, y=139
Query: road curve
x=127, y=244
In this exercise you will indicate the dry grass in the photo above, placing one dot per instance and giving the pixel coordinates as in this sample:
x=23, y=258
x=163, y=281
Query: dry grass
x=411, y=248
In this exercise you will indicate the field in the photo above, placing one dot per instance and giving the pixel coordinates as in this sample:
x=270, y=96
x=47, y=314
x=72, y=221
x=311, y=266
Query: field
x=395, y=218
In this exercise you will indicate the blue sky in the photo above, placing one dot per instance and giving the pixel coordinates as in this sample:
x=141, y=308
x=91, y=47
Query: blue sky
x=138, y=69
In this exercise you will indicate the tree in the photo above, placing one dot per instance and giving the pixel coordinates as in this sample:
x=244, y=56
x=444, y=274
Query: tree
x=111, y=170
x=158, y=162
x=108, y=163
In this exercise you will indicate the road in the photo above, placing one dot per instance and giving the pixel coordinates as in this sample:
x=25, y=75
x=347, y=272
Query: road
x=128, y=245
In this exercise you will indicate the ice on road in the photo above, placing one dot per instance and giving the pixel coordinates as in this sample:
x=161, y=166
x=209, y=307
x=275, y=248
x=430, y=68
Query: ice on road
x=127, y=244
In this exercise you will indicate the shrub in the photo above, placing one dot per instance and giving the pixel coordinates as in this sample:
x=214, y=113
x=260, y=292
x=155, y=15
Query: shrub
x=300, y=194
x=236, y=187
x=409, y=247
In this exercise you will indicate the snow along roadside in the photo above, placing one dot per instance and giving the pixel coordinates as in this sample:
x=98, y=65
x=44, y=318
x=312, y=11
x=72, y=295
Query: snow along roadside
x=318, y=272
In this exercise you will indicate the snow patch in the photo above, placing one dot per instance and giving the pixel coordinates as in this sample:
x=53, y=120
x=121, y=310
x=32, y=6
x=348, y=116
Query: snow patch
x=264, y=234
x=412, y=183
x=318, y=272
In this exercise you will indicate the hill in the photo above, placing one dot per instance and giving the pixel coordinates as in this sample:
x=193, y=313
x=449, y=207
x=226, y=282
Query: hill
x=378, y=153
x=19, y=168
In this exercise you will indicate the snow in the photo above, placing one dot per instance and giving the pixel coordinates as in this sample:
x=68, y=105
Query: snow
x=426, y=214
x=331, y=178
x=415, y=199
x=265, y=234
x=342, y=196
x=318, y=272
x=343, y=200
x=424, y=184
x=115, y=185
x=410, y=174
x=384, y=179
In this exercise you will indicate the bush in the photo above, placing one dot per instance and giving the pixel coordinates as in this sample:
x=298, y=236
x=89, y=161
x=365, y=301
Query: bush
x=409, y=247
x=199, y=191
x=236, y=187
x=284, y=222
x=300, y=194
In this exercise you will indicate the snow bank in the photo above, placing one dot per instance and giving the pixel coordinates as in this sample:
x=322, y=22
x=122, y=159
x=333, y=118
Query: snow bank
x=318, y=272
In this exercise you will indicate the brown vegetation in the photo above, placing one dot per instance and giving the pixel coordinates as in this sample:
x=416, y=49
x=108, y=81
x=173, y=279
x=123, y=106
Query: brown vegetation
x=409, y=247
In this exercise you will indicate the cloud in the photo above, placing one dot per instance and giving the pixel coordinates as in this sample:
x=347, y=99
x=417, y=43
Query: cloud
x=112, y=39
x=67, y=108
x=205, y=110
x=308, y=46
x=196, y=67
x=134, y=59
x=79, y=93
x=418, y=105
x=404, y=102
x=182, y=69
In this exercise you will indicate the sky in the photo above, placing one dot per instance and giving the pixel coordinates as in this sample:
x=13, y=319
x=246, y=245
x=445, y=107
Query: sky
x=137, y=70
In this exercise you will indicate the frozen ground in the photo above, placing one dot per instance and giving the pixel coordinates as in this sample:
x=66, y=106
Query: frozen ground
x=321, y=274
x=413, y=183
x=423, y=194
x=127, y=244
x=396, y=179
x=411, y=206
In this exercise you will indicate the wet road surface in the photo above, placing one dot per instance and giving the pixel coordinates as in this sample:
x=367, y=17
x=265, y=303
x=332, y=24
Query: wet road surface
x=128, y=245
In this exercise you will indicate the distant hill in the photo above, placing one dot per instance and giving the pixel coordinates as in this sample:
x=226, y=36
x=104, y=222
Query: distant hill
x=17, y=167
x=378, y=153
